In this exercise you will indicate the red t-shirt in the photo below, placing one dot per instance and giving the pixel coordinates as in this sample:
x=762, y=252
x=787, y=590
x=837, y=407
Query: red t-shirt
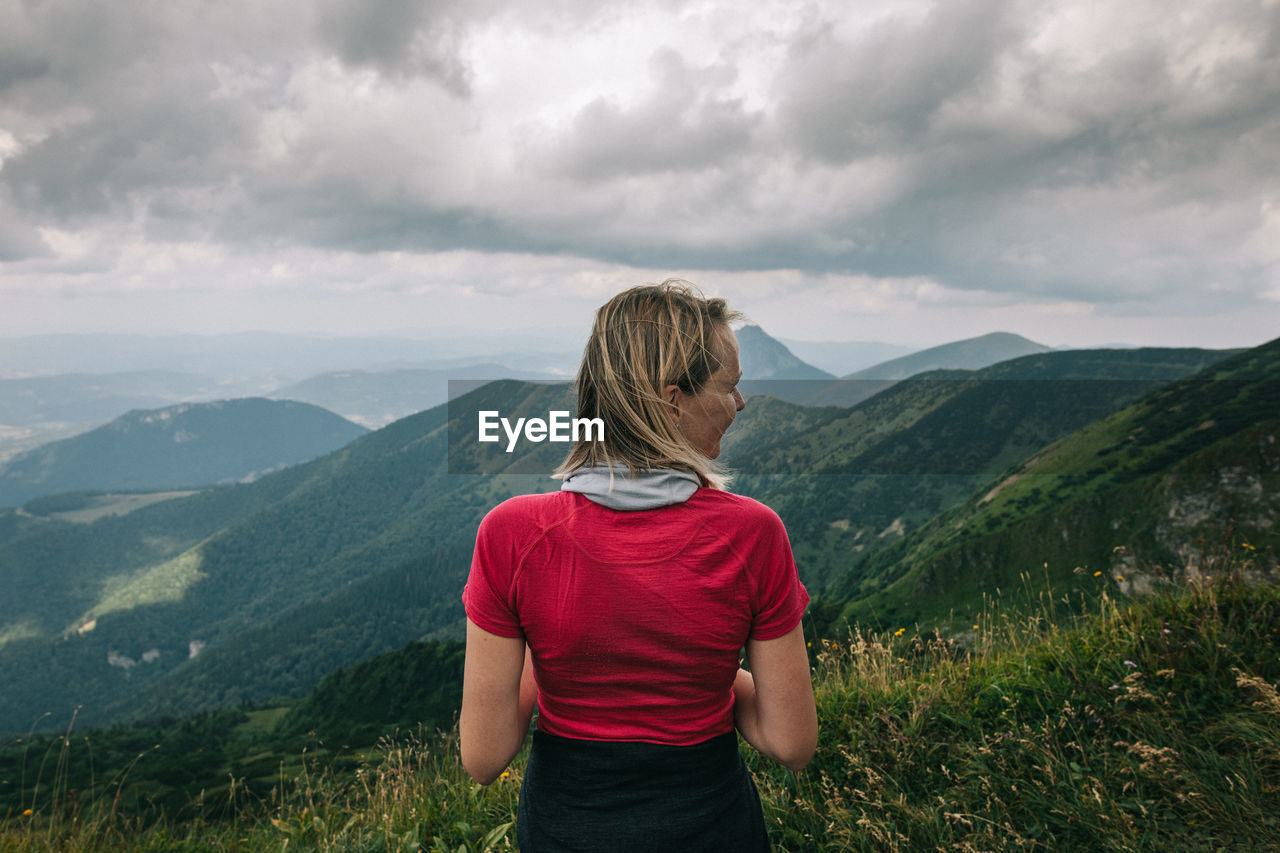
x=635, y=619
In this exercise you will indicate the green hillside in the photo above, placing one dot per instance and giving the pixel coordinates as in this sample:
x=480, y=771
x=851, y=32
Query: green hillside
x=175, y=763
x=853, y=482
x=1137, y=495
x=192, y=444
x=418, y=685
x=266, y=587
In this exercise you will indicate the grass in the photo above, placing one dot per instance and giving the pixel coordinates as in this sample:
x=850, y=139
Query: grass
x=1133, y=725
x=1114, y=723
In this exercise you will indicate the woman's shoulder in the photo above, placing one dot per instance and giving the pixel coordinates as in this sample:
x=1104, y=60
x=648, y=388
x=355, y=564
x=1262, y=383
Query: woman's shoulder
x=529, y=512
x=748, y=511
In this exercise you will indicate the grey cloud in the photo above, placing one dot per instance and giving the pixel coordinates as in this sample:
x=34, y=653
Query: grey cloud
x=842, y=98
x=1066, y=191
x=59, y=45
x=117, y=104
x=18, y=66
x=18, y=240
x=398, y=37
x=160, y=134
x=121, y=109
x=683, y=124
x=339, y=215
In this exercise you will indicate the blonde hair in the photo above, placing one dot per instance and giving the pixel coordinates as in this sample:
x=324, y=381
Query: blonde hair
x=644, y=340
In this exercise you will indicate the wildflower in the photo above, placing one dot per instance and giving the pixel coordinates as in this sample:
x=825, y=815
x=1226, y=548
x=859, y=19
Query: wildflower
x=1119, y=577
x=1097, y=574
x=1166, y=631
x=1130, y=664
x=506, y=774
x=975, y=627
x=1114, y=687
x=1247, y=545
x=26, y=813
x=899, y=632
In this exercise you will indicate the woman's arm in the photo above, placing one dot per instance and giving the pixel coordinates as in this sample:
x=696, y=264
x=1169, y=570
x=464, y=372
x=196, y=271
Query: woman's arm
x=498, y=695
x=773, y=703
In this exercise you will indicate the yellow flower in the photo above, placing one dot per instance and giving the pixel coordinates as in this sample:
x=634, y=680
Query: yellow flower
x=975, y=627
x=27, y=813
x=899, y=632
x=506, y=774
x=1096, y=574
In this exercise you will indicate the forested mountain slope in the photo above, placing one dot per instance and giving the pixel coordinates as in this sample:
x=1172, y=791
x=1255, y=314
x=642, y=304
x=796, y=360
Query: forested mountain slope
x=241, y=592
x=858, y=479
x=190, y=444
x=1134, y=496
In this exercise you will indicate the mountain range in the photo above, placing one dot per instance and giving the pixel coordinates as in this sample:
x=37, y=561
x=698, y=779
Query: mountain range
x=257, y=590
x=58, y=386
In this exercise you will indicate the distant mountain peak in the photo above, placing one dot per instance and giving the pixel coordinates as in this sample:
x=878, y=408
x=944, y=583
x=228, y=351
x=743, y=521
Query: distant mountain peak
x=765, y=357
x=967, y=354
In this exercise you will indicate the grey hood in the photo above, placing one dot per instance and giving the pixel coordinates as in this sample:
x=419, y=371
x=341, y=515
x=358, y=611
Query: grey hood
x=622, y=491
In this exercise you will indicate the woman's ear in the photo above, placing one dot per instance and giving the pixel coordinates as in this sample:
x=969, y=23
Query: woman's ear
x=673, y=395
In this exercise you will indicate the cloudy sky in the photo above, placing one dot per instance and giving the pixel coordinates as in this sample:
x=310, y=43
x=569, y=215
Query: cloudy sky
x=914, y=172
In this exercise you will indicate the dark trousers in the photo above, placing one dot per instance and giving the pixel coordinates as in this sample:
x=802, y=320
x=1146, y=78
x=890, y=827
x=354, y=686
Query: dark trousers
x=586, y=796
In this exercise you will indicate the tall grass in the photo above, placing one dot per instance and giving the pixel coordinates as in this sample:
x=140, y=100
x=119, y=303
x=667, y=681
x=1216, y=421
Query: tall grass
x=52, y=813
x=1100, y=724
x=1124, y=725
x=410, y=794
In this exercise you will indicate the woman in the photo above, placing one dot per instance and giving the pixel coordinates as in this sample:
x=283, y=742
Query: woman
x=620, y=605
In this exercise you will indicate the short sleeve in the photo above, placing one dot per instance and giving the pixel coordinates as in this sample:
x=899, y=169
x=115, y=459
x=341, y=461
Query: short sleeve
x=778, y=597
x=487, y=595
